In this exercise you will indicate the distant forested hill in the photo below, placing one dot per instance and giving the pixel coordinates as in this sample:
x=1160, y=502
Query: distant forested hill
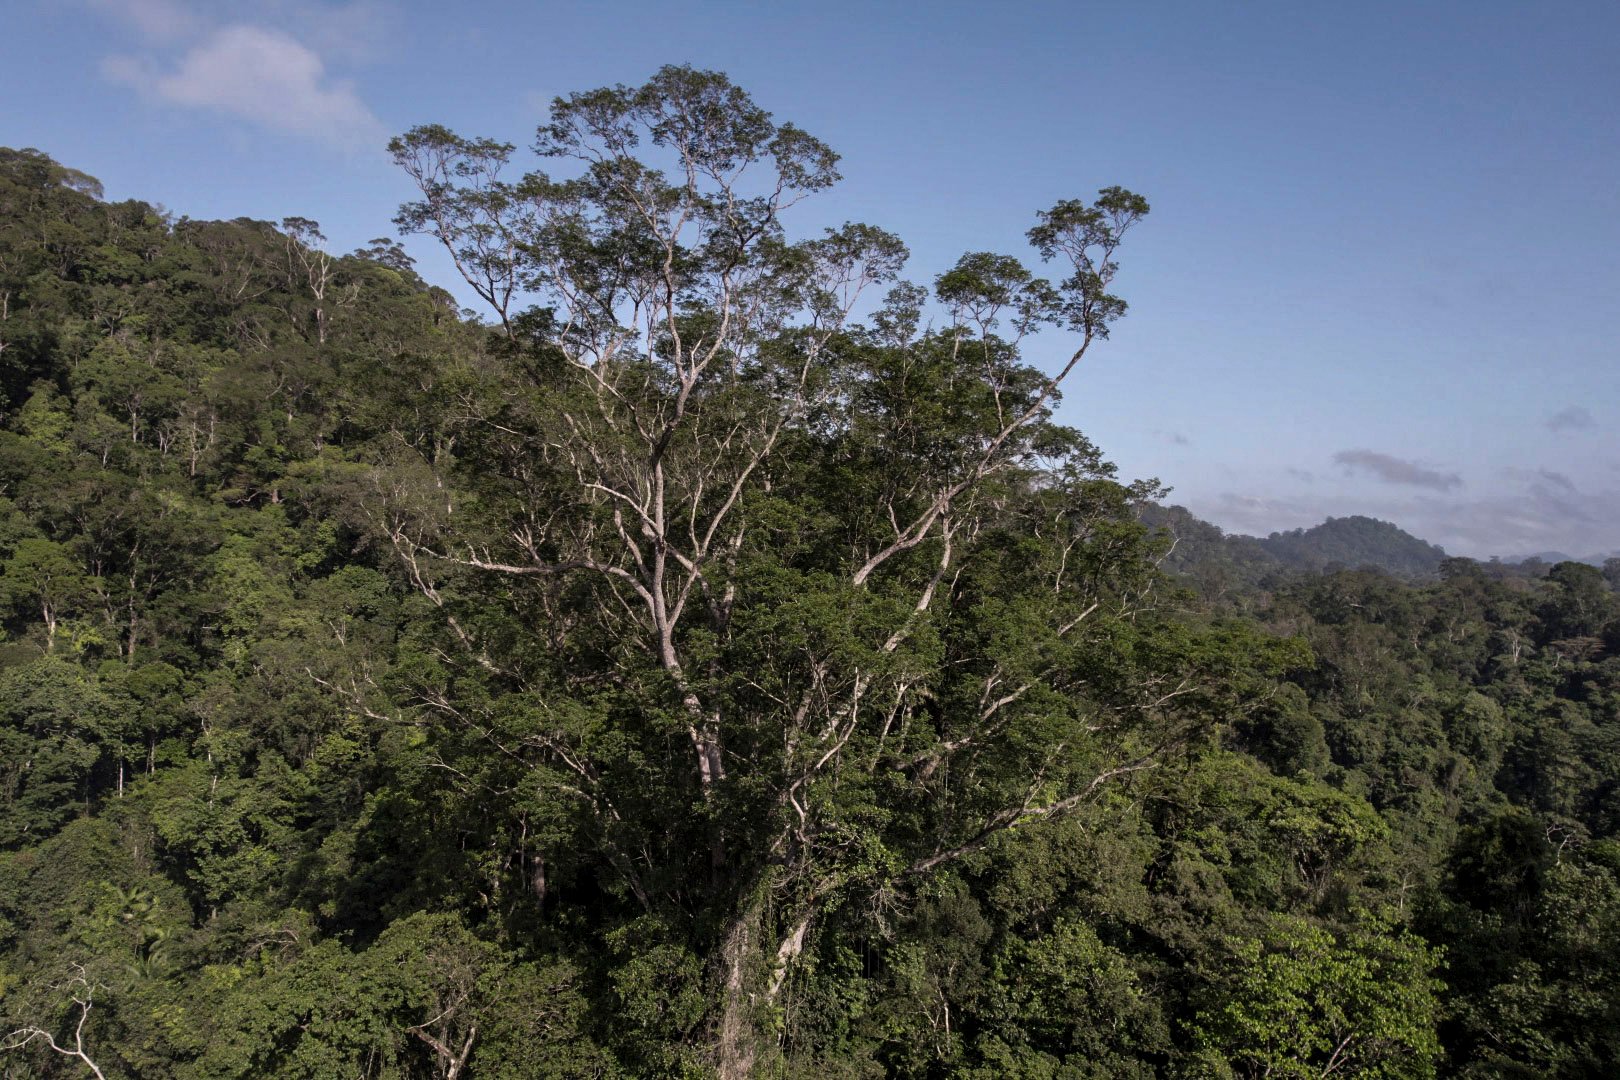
x=1353, y=543
x=1223, y=562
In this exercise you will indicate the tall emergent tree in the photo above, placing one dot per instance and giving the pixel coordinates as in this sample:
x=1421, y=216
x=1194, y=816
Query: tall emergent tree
x=771, y=611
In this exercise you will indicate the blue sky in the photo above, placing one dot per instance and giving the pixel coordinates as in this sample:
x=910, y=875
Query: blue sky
x=1382, y=273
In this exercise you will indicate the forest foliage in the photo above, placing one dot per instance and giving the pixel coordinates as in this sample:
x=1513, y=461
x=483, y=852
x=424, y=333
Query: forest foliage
x=720, y=661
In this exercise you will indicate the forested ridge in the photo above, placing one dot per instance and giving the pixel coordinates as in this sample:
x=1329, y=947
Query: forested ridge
x=716, y=660
x=1218, y=562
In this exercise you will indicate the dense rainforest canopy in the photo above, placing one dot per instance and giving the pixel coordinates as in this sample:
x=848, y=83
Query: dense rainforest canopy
x=719, y=662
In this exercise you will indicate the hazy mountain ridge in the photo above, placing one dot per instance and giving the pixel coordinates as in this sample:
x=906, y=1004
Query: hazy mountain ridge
x=1225, y=559
x=1553, y=557
x=1221, y=562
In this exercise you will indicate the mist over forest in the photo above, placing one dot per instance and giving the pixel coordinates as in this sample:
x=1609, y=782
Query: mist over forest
x=713, y=657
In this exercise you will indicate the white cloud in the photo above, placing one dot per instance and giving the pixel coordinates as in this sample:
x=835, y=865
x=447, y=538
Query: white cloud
x=261, y=75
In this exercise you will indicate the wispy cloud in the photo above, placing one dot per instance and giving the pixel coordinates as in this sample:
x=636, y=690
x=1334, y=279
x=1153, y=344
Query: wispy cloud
x=268, y=67
x=1556, y=480
x=155, y=20
x=359, y=31
x=1394, y=470
x=1574, y=418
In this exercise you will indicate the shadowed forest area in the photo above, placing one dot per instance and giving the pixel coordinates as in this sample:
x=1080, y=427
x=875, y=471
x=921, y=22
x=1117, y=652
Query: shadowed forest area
x=714, y=659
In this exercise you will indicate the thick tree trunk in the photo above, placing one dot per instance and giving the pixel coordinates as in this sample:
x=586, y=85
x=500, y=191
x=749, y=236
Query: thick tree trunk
x=738, y=1041
x=756, y=958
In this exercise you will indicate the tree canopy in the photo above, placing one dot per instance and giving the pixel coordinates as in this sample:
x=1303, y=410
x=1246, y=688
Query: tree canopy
x=716, y=659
